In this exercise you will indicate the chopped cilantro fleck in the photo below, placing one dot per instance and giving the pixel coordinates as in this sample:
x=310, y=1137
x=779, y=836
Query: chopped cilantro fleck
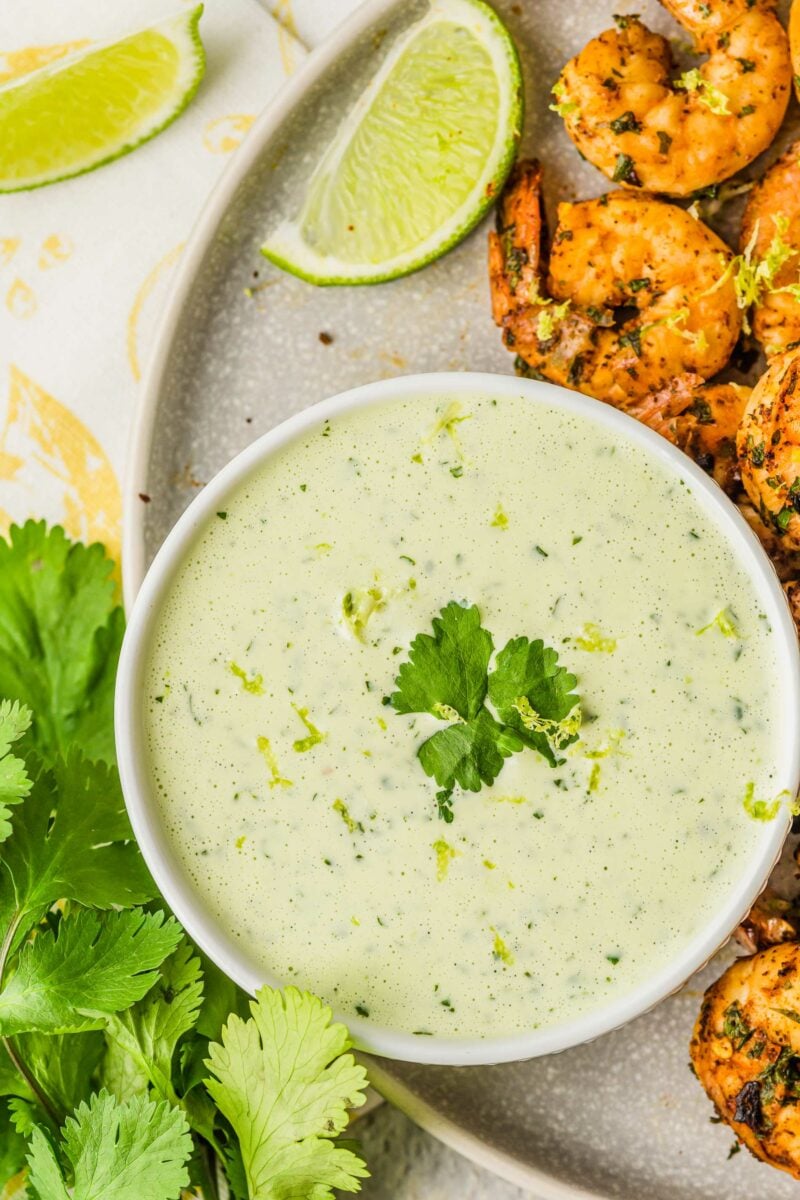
x=625, y=171
x=626, y=123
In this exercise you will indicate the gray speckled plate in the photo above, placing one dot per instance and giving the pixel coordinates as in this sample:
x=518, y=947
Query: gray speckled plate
x=239, y=350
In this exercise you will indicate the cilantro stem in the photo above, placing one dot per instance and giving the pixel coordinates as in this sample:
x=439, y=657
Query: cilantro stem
x=33, y=1083
x=8, y=1045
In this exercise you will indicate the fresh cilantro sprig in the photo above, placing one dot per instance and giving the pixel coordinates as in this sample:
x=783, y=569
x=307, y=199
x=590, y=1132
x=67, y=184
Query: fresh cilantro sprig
x=126, y=1151
x=285, y=1081
x=127, y=1069
x=60, y=635
x=447, y=675
x=15, y=720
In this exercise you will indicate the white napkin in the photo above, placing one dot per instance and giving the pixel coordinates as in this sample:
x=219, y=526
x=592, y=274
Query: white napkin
x=85, y=264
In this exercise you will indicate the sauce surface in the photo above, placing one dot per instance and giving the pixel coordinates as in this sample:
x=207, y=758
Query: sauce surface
x=292, y=794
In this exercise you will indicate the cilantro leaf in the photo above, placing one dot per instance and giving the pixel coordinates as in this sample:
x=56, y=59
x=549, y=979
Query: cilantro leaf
x=533, y=695
x=71, y=839
x=60, y=634
x=116, y=1152
x=15, y=719
x=149, y=1031
x=448, y=670
x=94, y=967
x=13, y=1147
x=469, y=754
x=284, y=1081
x=63, y=1065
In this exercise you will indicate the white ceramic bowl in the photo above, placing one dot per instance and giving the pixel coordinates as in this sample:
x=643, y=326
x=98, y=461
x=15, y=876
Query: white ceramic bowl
x=177, y=888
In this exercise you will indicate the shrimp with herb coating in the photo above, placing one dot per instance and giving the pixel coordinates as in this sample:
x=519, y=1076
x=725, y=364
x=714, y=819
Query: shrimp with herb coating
x=768, y=445
x=746, y=1053
x=629, y=114
x=618, y=252
x=794, y=43
x=702, y=419
x=770, y=245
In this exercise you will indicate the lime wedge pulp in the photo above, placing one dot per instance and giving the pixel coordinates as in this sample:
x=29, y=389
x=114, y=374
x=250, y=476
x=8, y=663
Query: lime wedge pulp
x=97, y=104
x=419, y=158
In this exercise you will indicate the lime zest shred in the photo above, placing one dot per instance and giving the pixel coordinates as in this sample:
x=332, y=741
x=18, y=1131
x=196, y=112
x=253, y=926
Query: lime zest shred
x=359, y=604
x=594, y=641
x=315, y=736
x=445, y=853
x=594, y=777
x=708, y=94
x=762, y=810
x=276, y=779
x=500, y=950
x=490, y=866
x=778, y=251
x=251, y=683
x=751, y=276
x=677, y=317
x=724, y=622
x=446, y=712
x=562, y=107
x=500, y=518
x=341, y=808
x=558, y=733
x=240, y=841
x=613, y=746
x=452, y=416
x=549, y=318
x=510, y=799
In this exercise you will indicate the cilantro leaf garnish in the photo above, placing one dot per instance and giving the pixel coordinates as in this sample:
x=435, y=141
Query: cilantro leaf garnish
x=284, y=1081
x=116, y=1152
x=94, y=966
x=448, y=676
x=448, y=670
x=533, y=695
x=469, y=753
x=60, y=634
x=15, y=719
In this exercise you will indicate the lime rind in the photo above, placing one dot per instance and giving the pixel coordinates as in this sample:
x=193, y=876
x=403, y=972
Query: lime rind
x=183, y=30
x=287, y=248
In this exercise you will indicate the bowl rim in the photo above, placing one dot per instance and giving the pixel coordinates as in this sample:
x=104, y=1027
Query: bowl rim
x=170, y=876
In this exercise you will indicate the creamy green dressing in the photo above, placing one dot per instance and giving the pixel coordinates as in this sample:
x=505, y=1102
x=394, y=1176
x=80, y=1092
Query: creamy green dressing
x=292, y=794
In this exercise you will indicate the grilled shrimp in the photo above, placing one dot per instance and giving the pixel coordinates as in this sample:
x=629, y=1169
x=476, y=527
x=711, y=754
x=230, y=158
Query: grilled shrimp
x=772, y=919
x=768, y=444
x=626, y=112
x=746, y=1052
x=794, y=42
x=702, y=419
x=770, y=240
x=620, y=251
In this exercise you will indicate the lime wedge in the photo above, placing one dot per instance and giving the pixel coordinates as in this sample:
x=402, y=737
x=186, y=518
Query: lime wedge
x=418, y=160
x=97, y=104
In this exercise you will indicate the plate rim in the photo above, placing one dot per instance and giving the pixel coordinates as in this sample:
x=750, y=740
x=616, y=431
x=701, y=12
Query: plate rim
x=471, y=1146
